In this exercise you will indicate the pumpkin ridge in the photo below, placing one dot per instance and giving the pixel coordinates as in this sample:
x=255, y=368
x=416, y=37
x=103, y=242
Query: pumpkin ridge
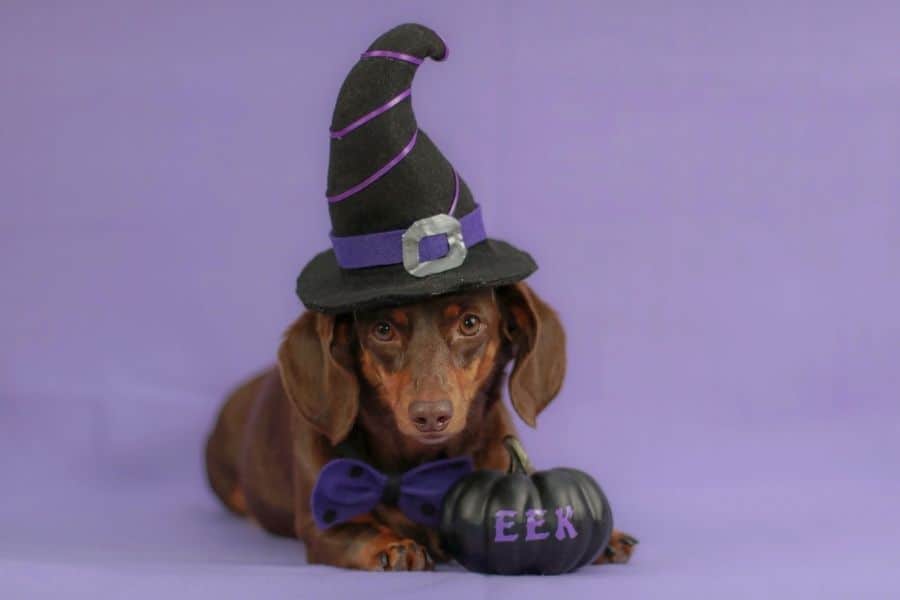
x=488, y=532
x=598, y=504
x=587, y=537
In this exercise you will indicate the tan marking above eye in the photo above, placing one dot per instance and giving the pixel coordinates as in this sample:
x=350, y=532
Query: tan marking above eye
x=399, y=317
x=452, y=311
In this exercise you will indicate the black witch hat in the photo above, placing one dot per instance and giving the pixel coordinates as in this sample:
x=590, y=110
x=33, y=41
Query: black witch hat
x=404, y=223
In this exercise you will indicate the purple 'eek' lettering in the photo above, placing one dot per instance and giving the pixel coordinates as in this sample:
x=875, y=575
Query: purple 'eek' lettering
x=563, y=524
x=501, y=524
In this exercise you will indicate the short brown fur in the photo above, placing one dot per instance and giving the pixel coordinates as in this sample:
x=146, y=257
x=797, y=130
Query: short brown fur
x=342, y=379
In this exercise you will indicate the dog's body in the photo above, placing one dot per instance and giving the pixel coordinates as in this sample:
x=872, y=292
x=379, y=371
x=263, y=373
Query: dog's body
x=398, y=386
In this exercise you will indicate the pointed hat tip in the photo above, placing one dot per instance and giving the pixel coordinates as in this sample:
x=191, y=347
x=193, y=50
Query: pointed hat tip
x=412, y=38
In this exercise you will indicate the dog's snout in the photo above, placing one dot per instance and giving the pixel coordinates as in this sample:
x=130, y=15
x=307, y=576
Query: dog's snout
x=431, y=415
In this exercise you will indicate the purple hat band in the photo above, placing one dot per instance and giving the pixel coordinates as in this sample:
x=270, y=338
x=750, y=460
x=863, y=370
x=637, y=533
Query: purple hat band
x=386, y=247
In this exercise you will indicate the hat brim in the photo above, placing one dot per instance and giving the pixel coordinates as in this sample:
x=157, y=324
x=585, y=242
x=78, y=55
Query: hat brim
x=324, y=286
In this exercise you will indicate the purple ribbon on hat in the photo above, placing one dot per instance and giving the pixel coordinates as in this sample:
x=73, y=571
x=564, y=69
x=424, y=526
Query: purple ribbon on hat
x=386, y=247
x=415, y=60
x=336, y=135
x=371, y=115
x=347, y=488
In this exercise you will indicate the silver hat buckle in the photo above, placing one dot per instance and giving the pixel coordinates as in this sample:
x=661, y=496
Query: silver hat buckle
x=427, y=227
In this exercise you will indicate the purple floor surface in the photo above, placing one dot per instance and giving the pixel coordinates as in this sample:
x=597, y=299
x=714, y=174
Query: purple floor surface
x=711, y=189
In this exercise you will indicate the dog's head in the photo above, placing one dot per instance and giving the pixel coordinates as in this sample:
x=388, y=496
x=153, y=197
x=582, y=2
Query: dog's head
x=425, y=363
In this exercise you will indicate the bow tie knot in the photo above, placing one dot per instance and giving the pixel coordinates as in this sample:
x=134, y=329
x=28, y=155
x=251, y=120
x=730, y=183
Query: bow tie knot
x=347, y=488
x=391, y=492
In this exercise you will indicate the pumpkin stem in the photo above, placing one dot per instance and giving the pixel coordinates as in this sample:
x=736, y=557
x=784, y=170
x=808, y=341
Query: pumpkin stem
x=518, y=459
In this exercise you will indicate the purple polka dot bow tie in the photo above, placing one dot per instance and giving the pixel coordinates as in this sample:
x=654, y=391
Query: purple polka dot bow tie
x=347, y=488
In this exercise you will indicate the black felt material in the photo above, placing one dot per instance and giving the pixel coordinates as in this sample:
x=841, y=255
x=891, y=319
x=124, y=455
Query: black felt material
x=325, y=287
x=421, y=185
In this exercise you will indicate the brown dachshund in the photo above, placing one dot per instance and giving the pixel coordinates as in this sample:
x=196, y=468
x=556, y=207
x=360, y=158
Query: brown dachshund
x=403, y=385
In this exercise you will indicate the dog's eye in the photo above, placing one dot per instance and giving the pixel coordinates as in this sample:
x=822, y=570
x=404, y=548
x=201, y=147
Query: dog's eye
x=469, y=325
x=383, y=331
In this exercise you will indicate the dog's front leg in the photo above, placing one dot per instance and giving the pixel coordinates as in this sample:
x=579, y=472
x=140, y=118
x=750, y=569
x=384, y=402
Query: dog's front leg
x=367, y=545
x=619, y=550
x=362, y=543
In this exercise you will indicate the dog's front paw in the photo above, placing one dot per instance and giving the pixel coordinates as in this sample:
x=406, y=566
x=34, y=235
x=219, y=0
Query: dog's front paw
x=619, y=550
x=400, y=555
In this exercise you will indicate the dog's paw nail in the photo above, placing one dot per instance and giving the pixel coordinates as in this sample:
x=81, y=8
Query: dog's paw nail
x=610, y=553
x=401, y=562
x=383, y=560
x=629, y=540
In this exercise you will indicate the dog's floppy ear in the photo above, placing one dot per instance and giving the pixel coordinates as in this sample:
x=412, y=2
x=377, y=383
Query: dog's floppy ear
x=314, y=362
x=539, y=346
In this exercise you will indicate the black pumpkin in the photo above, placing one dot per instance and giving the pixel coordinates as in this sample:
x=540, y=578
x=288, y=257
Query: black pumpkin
x=545, y=523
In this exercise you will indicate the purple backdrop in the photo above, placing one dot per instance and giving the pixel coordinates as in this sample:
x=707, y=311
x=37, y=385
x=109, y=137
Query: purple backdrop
x=712, y=192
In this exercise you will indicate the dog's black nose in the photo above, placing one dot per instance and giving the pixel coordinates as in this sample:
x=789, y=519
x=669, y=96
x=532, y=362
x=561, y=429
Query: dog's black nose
x=431, y=415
